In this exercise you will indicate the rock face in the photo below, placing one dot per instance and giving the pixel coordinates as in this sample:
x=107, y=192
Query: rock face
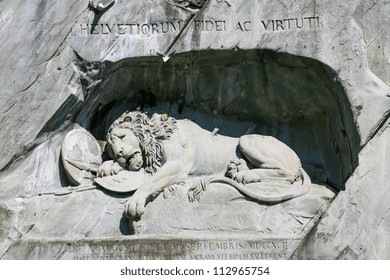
x=312, y=75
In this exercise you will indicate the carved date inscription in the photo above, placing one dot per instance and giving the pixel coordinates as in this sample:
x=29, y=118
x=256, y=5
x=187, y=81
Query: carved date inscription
x=160, y=249
x=186, y=250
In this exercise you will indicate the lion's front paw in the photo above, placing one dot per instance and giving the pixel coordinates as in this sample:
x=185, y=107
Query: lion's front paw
x=135, y=206
x=109, y=168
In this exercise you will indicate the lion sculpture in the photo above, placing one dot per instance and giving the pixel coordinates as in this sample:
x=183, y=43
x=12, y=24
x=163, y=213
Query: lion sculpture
x=170, y=151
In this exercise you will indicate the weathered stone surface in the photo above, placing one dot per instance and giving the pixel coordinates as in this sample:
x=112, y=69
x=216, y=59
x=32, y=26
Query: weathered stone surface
x=37, y=81
x=356, y=225
x=371, y=18
x=223, y=208
x=313, y=75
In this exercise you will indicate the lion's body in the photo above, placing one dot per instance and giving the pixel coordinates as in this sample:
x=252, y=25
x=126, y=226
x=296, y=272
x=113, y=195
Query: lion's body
x=203, y=153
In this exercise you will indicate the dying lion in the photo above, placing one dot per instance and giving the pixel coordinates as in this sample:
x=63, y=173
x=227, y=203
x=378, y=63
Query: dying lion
x=170, y=151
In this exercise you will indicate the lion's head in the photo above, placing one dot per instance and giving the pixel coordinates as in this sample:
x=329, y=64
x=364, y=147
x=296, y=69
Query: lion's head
x=150, y=133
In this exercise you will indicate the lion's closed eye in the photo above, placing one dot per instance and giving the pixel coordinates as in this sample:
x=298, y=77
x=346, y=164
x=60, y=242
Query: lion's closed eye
x=135, y=154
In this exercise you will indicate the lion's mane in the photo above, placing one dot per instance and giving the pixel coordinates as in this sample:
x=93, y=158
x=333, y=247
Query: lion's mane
x=150, y=132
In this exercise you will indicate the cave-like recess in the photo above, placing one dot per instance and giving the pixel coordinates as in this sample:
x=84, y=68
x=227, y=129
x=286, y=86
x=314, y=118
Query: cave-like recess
x=295, y=99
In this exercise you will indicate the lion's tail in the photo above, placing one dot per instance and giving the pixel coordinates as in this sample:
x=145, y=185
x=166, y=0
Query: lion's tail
x=293, y=192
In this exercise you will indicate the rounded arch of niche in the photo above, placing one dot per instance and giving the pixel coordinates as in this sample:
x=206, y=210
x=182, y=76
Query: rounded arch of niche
x=295, y=99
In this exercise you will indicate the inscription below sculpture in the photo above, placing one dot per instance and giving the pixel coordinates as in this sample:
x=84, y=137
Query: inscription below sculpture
x=169, y=249
x=156, y=153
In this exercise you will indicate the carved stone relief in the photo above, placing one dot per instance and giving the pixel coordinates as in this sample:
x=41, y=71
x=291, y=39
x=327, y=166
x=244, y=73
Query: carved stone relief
x=163, y=165
x=168, y=152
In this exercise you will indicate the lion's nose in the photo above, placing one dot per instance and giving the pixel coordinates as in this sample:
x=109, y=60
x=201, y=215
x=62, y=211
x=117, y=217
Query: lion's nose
x=118, y=150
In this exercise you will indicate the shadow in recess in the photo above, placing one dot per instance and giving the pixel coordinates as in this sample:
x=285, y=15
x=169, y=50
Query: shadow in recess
x=126, y=225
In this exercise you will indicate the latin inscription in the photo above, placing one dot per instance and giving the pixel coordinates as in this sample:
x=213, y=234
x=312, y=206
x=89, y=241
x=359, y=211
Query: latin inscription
x=210, y=25
x=130, y=28
x=130, y=249
x=199, y=25
x=291, y=23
